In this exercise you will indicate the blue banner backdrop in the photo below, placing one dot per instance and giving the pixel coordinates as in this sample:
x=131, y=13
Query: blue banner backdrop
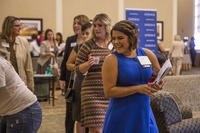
x=146, y=22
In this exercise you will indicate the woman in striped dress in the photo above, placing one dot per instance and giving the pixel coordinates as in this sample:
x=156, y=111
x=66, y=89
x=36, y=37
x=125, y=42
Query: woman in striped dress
x=89, y=60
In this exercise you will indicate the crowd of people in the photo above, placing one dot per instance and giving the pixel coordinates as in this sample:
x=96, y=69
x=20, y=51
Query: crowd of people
x=99, y=82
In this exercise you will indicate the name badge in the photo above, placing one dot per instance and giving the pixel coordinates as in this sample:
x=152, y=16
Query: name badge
x=5, y=44
x=144, y=61
x=52, y=49
x=73, y=44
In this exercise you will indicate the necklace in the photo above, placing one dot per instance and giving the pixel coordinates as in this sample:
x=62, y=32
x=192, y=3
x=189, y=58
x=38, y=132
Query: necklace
x=102, y=43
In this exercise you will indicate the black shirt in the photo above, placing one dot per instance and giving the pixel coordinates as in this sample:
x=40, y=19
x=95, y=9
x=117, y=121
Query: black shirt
x=64, y=73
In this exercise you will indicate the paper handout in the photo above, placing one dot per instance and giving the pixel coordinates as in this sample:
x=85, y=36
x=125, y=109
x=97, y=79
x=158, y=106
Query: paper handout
x=165, y=69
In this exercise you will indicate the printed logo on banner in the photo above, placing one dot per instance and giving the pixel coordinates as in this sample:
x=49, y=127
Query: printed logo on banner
x=146, y=22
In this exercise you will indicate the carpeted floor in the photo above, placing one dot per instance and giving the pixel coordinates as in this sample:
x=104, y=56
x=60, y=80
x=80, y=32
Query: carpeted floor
x=194, y=70
x=54, y=117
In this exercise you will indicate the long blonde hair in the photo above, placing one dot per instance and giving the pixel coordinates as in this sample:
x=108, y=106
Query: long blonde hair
x=103, y=18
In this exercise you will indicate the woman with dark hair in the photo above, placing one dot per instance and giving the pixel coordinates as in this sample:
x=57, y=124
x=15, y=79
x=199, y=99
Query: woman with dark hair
x=192, y=51
x=48, y=56
x=18, y=47
x=125, y=79
x=48, y=52
x=61, y=44
x=35, y=46
x=41, y=36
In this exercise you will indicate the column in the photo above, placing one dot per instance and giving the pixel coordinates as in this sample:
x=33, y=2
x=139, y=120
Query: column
x=59, y=16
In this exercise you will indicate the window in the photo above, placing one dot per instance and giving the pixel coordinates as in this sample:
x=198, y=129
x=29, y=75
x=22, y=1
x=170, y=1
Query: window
x=197, y=24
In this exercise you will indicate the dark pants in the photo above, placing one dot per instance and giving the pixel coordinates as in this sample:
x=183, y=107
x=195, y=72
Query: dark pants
x=69, y=122
x=26, y=121
x=193, y=56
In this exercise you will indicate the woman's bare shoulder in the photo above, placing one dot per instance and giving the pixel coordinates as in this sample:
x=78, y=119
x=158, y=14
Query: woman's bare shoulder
x=149, y=53
x=110, y=58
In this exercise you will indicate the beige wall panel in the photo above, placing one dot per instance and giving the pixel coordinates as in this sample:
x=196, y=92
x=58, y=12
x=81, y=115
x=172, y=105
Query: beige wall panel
x=71, y=8
x=30, y=9
x=46, y=9
x=164, y=13
x=185, y=18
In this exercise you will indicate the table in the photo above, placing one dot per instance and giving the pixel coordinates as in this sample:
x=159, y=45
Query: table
x=39, y=78
x=186, y=64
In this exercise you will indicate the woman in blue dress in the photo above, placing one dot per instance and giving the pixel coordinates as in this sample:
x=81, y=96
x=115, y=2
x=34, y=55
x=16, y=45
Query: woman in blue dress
x=126, y=73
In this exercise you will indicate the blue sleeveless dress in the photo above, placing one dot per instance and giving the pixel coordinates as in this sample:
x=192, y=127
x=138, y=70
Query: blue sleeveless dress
x=130, y=114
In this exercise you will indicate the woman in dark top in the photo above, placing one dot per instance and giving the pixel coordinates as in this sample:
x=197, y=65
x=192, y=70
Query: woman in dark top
x=71, y=42
x=61, y=44
x=192, y=51
x=86, y=32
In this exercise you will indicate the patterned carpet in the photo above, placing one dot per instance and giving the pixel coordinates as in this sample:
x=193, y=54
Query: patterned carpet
x=194, y=70
x=53, y=117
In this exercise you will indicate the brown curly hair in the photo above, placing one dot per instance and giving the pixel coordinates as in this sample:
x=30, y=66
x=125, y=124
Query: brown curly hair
x=128, y=28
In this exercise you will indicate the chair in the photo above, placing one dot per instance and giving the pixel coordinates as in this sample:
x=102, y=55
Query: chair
x=168, y=115
x=186, y=111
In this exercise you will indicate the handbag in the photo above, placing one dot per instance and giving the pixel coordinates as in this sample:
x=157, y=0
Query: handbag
x=54, y=62
x=54, y=67
x=69, y=95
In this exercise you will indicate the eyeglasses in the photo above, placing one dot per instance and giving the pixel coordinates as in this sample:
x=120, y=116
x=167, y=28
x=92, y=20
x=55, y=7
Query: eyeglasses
x=17, y=25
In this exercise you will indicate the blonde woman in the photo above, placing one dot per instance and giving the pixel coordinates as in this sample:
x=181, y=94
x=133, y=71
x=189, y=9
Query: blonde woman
x=176, y=53
x=90, y=59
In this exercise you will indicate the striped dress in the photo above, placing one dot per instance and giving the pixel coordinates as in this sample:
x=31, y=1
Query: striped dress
x=93, y=102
